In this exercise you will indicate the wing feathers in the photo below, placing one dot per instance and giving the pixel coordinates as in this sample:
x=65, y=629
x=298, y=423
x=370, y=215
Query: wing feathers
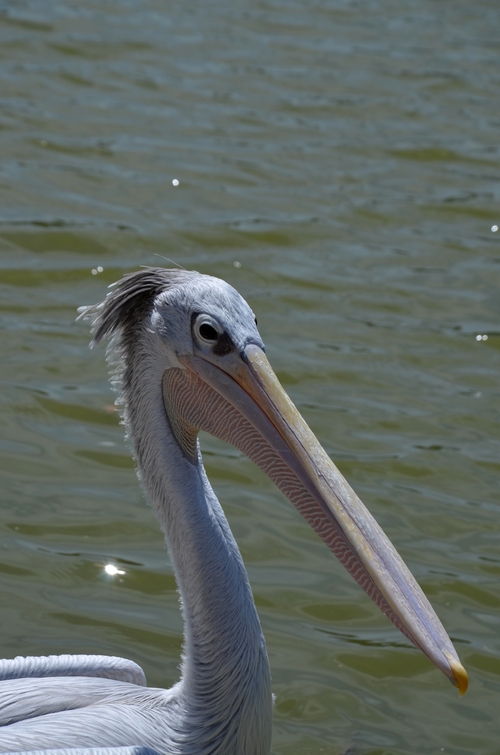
x=103, y=666
x=95, y=751
x=106, y=725
x=22, y=699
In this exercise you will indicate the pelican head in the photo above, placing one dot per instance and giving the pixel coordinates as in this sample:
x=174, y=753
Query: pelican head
x=213, y=375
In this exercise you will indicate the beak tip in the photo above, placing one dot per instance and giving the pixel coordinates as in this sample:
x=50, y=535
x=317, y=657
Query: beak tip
x=460, y=678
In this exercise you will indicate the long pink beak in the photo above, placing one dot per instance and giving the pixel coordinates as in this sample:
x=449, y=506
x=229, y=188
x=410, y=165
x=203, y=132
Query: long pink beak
x=239, y=399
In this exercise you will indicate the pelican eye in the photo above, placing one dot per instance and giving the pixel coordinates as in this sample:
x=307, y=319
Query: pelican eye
x=207, y=330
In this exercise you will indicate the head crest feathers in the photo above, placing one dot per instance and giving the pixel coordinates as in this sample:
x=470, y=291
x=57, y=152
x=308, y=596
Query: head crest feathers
x=130, y=300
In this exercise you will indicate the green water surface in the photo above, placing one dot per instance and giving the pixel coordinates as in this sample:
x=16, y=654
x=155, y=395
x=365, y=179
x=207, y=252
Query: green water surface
x=338, y=163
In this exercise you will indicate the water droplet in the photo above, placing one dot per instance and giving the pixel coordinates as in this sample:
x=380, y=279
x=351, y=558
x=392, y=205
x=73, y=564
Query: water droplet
x=237, y=264
x=100, y=269
x=175, y=182
x=485, y=338
x=94, y=271
x=494, y=228
x=478, y=338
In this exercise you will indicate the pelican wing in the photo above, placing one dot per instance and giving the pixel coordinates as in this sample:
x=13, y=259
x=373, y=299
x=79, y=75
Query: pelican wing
x=94, y=751
x=67, y=713
x=27, y=698
x=103, y=666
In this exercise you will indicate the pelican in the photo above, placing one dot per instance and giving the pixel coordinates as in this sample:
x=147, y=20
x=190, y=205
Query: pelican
x=187, y=356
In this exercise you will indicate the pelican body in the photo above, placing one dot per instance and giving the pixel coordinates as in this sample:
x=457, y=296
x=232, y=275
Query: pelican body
x=187, y=356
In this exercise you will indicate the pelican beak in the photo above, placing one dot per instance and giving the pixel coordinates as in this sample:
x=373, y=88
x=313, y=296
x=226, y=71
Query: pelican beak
x=281, y=443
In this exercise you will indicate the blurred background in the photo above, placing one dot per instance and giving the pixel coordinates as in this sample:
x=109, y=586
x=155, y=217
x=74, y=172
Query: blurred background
x=337, y=161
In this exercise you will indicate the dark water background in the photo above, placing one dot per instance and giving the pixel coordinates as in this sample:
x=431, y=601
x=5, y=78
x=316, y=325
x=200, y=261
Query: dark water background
x=338, y=163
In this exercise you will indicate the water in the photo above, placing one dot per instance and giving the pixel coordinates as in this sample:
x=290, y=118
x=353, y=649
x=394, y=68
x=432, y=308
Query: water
x=338, y=163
